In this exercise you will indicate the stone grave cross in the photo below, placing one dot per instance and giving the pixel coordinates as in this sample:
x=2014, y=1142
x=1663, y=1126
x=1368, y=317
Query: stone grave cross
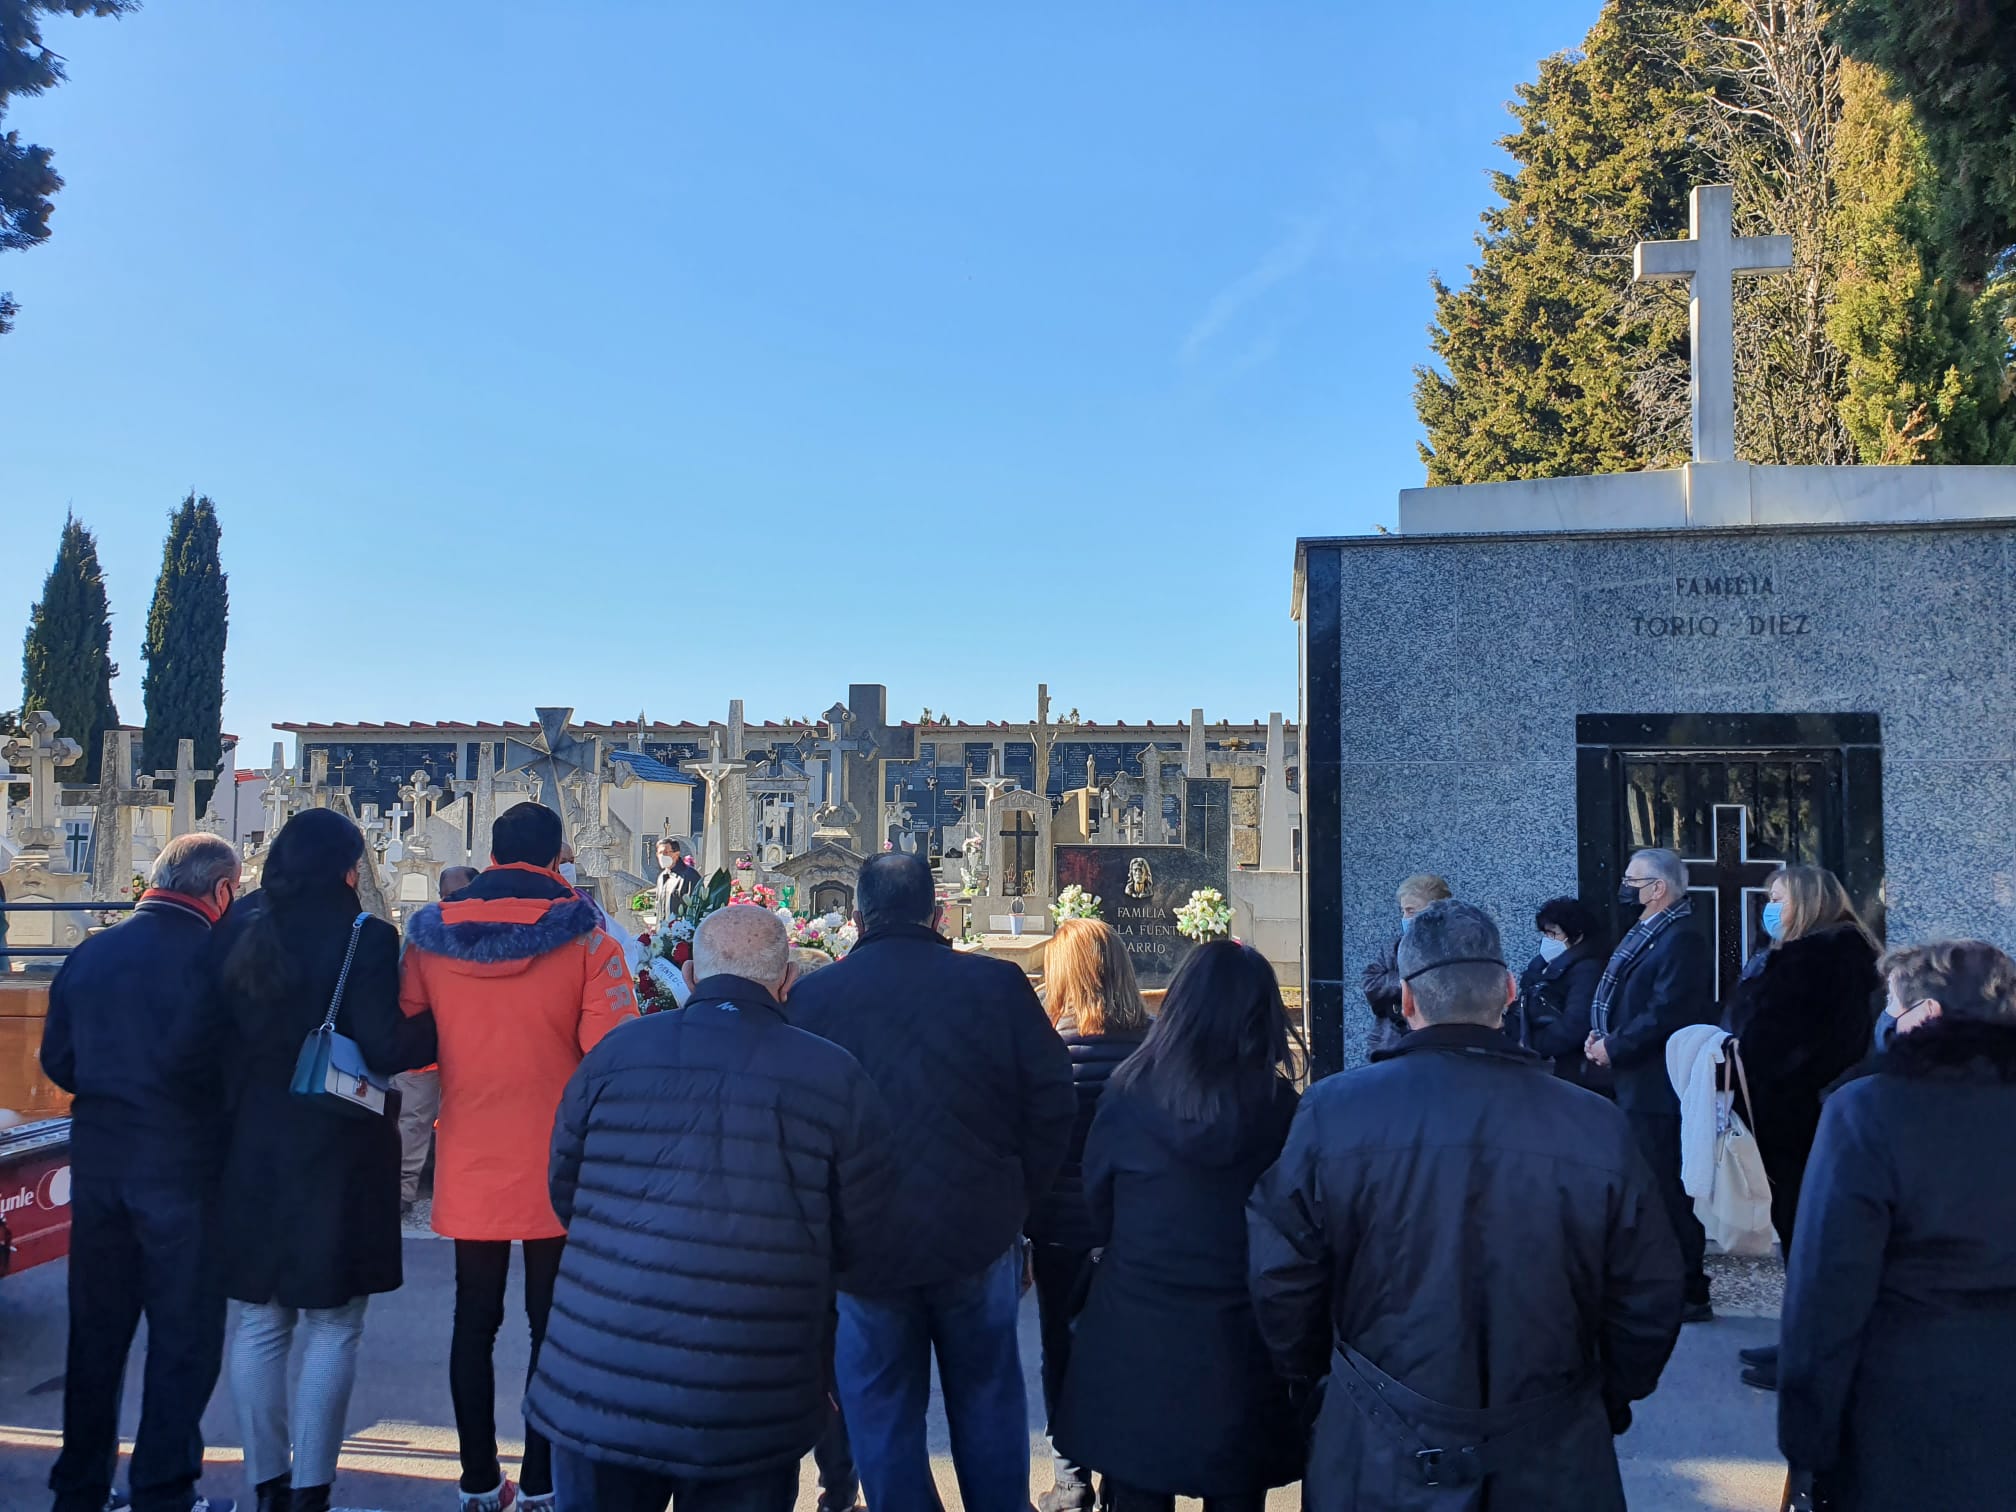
x=185, y=777
x=1710, y=259
x=43, y=750
x=111, y=842
x=551, y=755
x=421, y=792
x=870, y=740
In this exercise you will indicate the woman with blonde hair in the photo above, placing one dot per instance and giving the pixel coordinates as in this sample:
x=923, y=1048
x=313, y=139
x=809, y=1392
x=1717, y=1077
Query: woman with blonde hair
x=1802, y=1022
x=1094, y=1000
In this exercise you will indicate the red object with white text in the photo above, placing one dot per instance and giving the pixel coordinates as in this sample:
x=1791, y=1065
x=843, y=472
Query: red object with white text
x=34, y=1194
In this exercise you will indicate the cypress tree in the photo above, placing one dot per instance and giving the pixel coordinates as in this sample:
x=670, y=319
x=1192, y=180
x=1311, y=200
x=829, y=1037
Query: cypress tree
x=184, y=681
x=66, y=658
x=1541, y=351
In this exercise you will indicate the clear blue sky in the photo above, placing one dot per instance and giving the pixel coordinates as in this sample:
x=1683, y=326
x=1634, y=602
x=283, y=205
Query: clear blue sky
x=641, y=355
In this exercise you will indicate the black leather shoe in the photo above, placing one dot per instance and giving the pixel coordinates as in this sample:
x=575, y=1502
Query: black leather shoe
x=1764, y=1354
x=310, y=1499
x=1698, y=1312
x=1763, y=1377
x=274, y=1495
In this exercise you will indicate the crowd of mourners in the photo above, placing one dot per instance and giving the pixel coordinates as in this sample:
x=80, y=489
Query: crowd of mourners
x=747, y=1228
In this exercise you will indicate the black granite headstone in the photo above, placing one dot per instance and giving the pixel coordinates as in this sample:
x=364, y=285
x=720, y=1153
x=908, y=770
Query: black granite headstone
x=1140, y=887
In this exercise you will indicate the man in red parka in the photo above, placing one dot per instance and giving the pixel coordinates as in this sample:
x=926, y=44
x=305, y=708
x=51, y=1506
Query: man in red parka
x=522, y=983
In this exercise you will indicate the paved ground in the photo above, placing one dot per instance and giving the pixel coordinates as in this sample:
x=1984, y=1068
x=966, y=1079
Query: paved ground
x=1704, y=1441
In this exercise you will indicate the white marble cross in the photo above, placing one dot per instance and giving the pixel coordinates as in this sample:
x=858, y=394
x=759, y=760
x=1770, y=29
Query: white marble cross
x=715, y=773
x=1710, y=259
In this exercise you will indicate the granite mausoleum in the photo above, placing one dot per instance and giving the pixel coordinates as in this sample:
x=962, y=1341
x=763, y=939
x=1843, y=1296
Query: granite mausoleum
x=1750, y=665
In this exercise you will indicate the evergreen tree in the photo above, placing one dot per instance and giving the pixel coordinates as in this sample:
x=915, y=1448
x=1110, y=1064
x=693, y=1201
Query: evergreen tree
x=184, y=681
x=1543, y=351
x=1928, y=362
x=66, y=660
x=26, y=177
x=1955, y=62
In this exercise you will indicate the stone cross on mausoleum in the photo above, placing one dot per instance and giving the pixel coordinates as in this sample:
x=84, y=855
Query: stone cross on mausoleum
x=1043, y=735
x=1710, y=259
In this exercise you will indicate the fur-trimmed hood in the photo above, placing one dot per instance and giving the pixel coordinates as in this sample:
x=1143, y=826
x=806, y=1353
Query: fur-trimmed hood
x=505, y=919
x=1972, y=1049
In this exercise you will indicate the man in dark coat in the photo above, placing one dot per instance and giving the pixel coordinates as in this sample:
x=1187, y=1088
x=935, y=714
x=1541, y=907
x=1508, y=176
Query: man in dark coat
x=678, y=879
x=1474, y=1253
x=1899, y=1357
x=132, y=1033
x=1661, y=977
x=714, y=1167
x=1382, y=976
x=960, y=1046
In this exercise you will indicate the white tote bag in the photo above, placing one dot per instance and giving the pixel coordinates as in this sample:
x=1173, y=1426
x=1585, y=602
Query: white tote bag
x=1736, y=1212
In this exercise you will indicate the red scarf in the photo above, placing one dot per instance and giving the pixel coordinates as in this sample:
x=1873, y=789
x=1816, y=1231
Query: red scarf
x=202, y=906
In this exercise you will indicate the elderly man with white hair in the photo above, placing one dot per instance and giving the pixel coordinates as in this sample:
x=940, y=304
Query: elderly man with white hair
x=1660, y=979
x=714, y=1167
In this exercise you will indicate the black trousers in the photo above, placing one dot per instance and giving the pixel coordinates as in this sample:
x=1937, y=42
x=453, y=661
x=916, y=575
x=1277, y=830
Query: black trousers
x=1127, y=1499
x=1058, y=1270
x=588, y=1485
x=481, y=1268
x=1659, y=1137
x=138, y=1247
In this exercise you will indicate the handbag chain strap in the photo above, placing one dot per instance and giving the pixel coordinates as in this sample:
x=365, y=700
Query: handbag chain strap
x=343, y=976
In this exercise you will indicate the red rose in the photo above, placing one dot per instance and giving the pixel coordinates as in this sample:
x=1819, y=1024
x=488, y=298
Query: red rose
x=644, y=940
x=682, y=952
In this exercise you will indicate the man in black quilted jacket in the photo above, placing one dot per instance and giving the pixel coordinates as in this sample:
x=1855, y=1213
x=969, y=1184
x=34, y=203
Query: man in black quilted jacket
x=960, y=1045
x=715, y=1168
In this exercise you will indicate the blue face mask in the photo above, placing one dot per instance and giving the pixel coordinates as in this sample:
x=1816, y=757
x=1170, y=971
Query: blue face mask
x=1774, y=919
x=1552, y=949
x=1406, y=923
x=1886, y=1031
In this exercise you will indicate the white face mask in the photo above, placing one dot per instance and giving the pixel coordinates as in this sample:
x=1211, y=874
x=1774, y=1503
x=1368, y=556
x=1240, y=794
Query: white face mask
x=566, y=870
x=1552, y=949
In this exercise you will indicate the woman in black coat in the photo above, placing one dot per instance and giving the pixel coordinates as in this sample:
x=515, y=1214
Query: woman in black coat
x=1094, y=1000
x=1899, y=1359
x=1802, y=1021
x=1170, y=1390
x=308, y=1223
x=1558, y=989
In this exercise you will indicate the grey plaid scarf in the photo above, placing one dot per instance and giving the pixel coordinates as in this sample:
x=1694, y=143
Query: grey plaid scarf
x=1637, y=940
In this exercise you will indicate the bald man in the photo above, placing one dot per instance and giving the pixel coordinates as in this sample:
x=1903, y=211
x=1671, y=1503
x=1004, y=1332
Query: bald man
x=786, y=1140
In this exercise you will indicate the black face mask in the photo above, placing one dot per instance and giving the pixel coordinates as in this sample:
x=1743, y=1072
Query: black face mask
x=1628, y=895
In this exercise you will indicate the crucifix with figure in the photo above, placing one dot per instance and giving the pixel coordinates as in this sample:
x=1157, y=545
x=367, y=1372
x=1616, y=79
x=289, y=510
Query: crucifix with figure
x=1710, y=259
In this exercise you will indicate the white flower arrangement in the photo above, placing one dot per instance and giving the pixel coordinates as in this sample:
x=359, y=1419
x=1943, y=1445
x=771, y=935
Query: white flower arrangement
x=1207, y=916
x=1075, y=903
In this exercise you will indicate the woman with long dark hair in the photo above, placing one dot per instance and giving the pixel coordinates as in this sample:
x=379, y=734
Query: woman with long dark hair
x=309, y=1215
x=1170, y=1391
x=1094, y=1000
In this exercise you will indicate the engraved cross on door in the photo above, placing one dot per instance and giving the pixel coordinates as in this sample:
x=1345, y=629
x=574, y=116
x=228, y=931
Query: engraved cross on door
x=1730, y=887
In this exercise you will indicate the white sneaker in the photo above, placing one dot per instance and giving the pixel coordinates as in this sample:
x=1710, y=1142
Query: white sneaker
x=503, y=1499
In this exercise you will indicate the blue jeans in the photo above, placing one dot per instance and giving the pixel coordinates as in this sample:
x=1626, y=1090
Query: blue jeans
x=882, y=1359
